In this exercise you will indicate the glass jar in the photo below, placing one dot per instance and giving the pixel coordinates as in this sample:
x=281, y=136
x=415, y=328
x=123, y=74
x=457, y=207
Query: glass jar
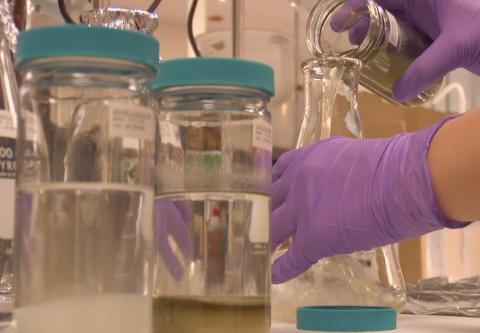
x=85, y=181
x=364, y=278
x=212, y=203
x=367, y=32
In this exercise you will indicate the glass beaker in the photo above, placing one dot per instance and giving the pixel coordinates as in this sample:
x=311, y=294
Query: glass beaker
x=365, y=31
x=212, y=202
x=363, y=278
x=86, y=146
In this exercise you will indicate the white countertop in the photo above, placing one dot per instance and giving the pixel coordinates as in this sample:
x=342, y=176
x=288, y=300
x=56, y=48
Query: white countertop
x=406, y=324
x=415, y=324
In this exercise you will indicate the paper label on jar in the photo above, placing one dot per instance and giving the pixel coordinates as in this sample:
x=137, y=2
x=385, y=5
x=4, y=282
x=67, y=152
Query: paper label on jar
x=262, y=135
x=7, y=207
x=33, y=128
x=260, y=227
x=131, y=122
x=7, y=126
x=394, y=36
x=169, y=134
x=8, y=134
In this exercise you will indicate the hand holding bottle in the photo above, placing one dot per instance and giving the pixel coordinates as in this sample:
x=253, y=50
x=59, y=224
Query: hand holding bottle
x=452, y=26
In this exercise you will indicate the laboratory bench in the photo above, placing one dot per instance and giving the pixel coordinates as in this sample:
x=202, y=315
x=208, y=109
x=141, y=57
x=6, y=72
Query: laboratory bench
x=406, y=324
x=414, y=324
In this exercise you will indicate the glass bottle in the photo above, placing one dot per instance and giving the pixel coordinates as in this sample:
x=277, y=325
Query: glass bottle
x=385, y=45
x=212, y=203
x=8, y=138
x=86, y=150
x=372, y=277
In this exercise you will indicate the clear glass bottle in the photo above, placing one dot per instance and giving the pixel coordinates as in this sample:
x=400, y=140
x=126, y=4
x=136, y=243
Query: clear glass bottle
x=8, y=138
x=212, y=203
x=363, y=278
x=385, y=45
x=85, y=183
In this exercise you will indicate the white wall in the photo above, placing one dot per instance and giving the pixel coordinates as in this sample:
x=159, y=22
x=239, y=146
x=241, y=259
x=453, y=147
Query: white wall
x=173, y=40
x=453, y=253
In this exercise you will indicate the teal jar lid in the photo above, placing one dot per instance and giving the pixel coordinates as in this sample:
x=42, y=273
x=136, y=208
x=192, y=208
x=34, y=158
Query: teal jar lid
x=81, y=40
x=346, y=318
x=215, y=72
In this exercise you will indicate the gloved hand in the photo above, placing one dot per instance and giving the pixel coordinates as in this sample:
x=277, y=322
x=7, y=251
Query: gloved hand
x=453, y=25
x=173, y=219
x=344, y=195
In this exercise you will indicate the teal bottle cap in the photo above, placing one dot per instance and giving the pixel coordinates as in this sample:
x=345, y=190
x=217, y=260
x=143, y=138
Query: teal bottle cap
x=216, y=72
x=80, y=40
x=346, y=318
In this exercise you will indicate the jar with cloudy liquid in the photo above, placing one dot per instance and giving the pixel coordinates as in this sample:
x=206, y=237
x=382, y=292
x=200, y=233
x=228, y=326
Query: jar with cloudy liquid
x=85, y=181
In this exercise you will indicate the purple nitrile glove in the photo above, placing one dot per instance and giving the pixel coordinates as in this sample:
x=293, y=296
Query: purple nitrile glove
x=453, y=25
x=173, y=219
x=344, y=195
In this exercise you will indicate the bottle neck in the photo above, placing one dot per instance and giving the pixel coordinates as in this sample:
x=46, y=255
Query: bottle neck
x=325, y=79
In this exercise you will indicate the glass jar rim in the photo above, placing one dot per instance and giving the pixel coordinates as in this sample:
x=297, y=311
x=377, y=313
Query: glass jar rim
x=80, y=63
x=227, y=89
x=320, y=15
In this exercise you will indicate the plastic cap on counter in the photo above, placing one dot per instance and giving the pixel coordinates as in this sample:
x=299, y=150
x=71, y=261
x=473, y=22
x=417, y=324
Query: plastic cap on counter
x=79, y=40
x=346, y=318
x=216, y=72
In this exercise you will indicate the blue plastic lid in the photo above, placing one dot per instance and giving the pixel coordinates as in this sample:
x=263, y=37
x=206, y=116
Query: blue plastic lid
x=80, y=40
x=214, y=71
x=346, y=318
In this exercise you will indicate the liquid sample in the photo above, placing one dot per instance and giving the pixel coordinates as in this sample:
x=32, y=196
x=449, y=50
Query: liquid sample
x=112, y=313
x=382, y=72
x=224, y=251
x=204, y=314
x=223, y=236
x=79, y=239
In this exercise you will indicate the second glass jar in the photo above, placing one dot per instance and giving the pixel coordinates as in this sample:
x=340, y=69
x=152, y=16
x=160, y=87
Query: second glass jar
x=212, y=204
